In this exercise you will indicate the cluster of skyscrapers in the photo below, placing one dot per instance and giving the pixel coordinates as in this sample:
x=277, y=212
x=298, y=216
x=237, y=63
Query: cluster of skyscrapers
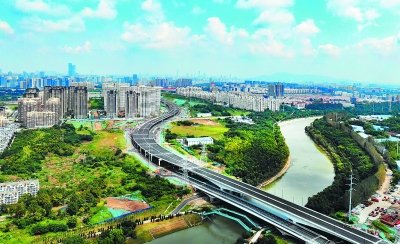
x=124, y=100
x=41, y=109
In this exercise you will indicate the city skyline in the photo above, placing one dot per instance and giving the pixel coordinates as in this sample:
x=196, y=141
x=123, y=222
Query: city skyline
x=345, y=39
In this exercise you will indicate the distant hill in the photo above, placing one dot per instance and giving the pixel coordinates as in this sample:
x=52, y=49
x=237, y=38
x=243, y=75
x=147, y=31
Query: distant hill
x=296, y=78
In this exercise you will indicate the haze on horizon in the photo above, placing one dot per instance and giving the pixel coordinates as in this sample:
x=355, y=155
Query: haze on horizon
x=350, y=39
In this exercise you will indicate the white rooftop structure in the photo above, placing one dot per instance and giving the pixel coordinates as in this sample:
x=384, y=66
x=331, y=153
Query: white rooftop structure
x=198, y=141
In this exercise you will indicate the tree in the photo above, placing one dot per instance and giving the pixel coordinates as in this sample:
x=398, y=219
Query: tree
x=72, y=221
x=74, y=239
x=266, y=240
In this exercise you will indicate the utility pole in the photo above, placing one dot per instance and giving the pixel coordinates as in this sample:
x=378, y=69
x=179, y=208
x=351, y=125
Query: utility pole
x=350, y=190
x=185, y=171
x=203, y=154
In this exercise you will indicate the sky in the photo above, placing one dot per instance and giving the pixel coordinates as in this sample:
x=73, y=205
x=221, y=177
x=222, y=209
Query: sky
x=346, y=39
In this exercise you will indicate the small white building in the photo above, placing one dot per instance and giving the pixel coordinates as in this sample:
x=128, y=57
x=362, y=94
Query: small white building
x=204, y=115
x=198, y=141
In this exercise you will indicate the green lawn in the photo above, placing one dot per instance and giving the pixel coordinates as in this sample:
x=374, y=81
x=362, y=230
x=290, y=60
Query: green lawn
x=215, y=131
x=100, y=214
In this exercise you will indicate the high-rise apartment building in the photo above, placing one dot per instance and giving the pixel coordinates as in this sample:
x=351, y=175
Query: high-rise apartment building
x=80, y=102
x=71, y=69
x=31, y=93
x=132, y=104
x=111, y=103
x=59, y=92
x=183, y=82
x=53, y=105
x=37, y=119
x=134, y=101
x=276, y=90
x=26, y=105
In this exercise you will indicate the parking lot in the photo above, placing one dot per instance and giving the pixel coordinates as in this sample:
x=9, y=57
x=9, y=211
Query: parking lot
x=385, y=202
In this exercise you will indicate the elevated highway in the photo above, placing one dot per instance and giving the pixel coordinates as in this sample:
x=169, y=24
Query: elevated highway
x=287, y=216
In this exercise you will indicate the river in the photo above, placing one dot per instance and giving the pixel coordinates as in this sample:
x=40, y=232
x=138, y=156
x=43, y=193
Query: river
x=218, y=230
x=310, y=172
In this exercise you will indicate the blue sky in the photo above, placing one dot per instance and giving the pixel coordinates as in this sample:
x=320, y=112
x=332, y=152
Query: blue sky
x=351, y=39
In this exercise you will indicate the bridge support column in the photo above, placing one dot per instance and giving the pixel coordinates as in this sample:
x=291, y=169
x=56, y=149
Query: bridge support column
x=159, y=162
x=213, y=199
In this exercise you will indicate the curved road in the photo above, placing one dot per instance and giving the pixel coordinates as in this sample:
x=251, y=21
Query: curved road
x=143, y=136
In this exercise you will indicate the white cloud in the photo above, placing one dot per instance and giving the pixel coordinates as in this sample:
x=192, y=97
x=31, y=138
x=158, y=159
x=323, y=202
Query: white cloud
x=274, y=16
x=85, y=48
x=264, y=43
x=105, y=10
x=42, y=7
x=390, y=3
x=306, y=28
x=346, y=8
x=157, y=36
x=384, y=47
x=398, y=36
x=153, y=11
x=308, y=49
x=216, y=31
x=371, y=15
x=197, y=10
x=360, y=11
x=263, y=4
x=6, y=28
x=74, y=24
x=330, y=49
x=151, y=6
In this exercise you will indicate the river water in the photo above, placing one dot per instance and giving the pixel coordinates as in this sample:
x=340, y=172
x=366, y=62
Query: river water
x=310, y=170
x=309, y=173
x=219, y=230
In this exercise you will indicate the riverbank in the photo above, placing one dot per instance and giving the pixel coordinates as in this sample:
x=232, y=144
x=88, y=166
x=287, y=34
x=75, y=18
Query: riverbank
x=286, y=122
x=277, y=176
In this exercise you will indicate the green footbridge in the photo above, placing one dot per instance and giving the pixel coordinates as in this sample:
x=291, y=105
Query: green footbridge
x=220, y=211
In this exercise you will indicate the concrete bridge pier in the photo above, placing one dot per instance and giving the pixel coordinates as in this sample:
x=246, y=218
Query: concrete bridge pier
x=213, y=199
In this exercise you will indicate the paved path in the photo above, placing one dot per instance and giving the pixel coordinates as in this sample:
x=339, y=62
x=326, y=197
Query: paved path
x=185, y=202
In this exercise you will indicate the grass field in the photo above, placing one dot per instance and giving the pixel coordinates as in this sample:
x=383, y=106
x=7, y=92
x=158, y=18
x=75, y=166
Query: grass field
x=100, y=214
x=215, y=131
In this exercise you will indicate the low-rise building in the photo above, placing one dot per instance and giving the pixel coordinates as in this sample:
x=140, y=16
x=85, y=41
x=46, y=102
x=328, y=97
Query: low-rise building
x=198, y=141
x=204, y=115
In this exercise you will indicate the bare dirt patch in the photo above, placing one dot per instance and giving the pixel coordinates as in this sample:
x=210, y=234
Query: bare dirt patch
x=125, y=204
x=204, y=121
x=110, y=125
x=199, y=202
x=97, y=126
x=168, y=228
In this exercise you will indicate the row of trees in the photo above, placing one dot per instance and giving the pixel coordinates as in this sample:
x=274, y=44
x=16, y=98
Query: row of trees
x=348, y=158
